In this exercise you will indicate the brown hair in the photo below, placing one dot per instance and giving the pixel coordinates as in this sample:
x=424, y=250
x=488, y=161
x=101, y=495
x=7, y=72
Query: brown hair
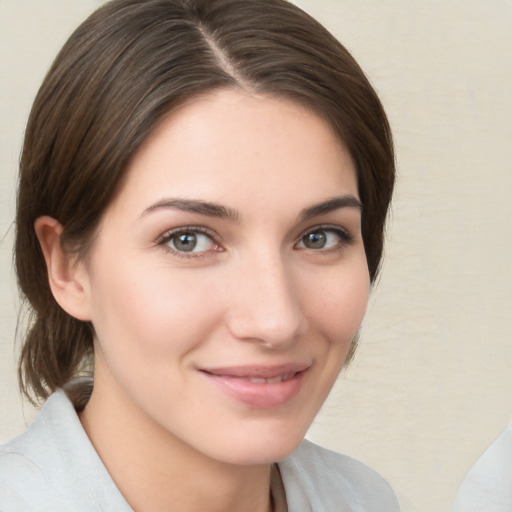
x=129, y=64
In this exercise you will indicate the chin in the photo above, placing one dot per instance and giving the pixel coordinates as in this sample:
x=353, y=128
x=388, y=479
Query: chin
x=262, y=448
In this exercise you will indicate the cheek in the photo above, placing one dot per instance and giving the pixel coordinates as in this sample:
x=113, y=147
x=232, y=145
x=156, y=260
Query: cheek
x=338, y=309
x=150, y=312
x=338, y=304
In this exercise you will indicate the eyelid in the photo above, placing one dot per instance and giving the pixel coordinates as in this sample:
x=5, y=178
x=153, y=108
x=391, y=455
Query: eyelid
x=163, y=240
x=346, y=237
x=344, y=232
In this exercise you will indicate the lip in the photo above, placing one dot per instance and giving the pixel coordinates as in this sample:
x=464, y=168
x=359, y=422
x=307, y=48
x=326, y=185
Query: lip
x=262, y=387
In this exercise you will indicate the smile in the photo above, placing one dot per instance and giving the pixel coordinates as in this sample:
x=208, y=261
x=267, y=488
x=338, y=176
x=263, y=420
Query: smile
x=259, y=386
x=279, y=378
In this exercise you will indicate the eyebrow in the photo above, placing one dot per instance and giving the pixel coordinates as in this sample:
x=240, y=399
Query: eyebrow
x=347, y=201
x=195, y=206
x=216, y=210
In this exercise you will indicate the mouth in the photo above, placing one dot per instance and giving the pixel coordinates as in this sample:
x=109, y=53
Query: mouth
x=278, y=378
x=259, y=386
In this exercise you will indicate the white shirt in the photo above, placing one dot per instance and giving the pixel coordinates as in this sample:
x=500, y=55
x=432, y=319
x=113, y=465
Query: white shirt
x=53, y=467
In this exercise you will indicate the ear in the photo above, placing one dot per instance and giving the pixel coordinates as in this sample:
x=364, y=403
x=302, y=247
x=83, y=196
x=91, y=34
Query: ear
x=67, y=277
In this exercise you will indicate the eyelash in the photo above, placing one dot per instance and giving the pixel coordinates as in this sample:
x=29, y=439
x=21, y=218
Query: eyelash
x=346, y=239
x=164, y=240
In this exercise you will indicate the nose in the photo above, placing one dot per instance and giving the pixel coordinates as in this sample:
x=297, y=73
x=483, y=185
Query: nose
x=265, y=304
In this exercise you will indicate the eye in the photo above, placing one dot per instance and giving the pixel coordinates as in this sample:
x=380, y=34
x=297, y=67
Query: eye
x=325, y=238
x=189, y=240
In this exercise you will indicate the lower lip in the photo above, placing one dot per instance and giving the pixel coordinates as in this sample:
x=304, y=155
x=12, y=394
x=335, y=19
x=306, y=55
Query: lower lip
x=264, y=395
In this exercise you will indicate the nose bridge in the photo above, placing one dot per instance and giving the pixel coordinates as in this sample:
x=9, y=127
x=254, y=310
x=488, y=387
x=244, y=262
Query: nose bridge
x=266, y=306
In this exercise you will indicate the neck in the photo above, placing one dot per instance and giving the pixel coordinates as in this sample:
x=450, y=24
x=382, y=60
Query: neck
x=156, y=471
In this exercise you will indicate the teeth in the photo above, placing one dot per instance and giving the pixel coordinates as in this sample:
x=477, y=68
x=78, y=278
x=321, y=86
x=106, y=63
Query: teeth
x=256, y=380
x=272, y=380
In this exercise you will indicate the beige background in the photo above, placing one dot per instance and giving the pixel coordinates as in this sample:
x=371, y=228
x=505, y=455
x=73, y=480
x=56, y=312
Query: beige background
x=431, y=386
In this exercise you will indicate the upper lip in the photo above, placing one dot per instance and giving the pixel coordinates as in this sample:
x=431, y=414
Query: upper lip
x=257, y=371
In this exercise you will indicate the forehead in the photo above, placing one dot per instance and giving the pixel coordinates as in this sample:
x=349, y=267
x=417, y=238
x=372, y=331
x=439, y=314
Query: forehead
x=235, y=147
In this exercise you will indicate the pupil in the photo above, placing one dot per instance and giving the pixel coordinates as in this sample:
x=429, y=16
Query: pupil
x=315, y=240
x=185, y=243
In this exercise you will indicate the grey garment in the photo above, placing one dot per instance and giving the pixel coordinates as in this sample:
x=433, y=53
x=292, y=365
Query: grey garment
x=488, y=484
x=319, y=480
x=53, y=467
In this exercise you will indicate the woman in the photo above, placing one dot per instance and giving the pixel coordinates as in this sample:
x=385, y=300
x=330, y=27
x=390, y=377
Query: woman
x=203, y=191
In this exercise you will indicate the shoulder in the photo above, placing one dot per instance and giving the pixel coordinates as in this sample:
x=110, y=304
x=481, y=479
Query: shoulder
x=53, y=466
x=331, y=481
x=24, y=461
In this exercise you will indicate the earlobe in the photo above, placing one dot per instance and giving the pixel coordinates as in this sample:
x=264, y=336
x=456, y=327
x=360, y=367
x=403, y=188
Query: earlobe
x=66, y=277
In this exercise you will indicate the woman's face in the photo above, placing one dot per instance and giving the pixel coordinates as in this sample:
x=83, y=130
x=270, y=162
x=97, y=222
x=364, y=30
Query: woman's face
x=228, y=277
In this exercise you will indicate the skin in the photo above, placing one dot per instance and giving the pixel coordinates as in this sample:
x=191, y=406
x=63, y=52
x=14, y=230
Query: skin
x=254, y=293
